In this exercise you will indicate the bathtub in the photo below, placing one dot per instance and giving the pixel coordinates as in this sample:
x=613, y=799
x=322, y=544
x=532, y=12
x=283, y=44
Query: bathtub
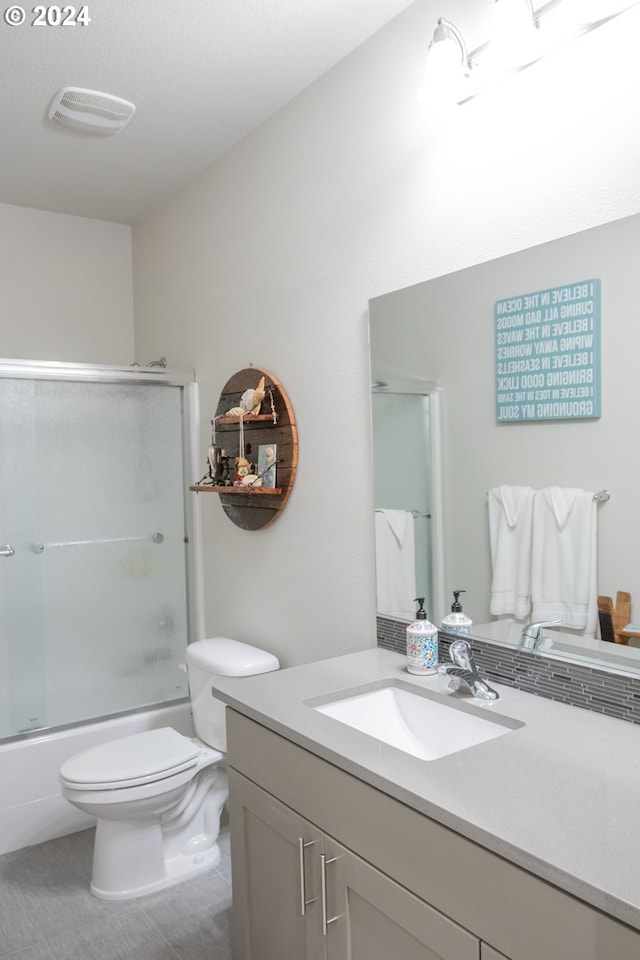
x=32, y=808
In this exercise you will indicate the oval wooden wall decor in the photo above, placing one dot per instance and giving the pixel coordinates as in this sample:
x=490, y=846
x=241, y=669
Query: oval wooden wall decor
x=262, y=436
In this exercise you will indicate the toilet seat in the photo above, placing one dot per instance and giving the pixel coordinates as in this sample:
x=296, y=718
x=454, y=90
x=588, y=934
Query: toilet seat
x=131, y=761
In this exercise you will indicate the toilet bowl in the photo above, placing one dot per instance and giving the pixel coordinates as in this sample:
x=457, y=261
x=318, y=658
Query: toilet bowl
x=157, y=796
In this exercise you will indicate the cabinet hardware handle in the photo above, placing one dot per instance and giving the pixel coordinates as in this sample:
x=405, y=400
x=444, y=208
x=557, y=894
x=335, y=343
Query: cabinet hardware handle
x=304, y=903
x=6, y=551
x=324, y=862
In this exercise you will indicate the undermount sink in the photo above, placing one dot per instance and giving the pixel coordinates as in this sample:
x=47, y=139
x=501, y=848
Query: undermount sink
x=427, y=725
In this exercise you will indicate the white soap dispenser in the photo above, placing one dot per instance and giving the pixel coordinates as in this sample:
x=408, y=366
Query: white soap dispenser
x=457, y=621
x=422, y=643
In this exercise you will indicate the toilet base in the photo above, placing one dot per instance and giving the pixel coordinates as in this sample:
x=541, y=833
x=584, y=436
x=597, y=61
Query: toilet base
x=135, y=857
x=176, y=870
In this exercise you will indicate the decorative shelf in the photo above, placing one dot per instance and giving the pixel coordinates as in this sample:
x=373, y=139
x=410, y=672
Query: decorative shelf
x=249, y=418
x=248, y=491
x=252, y=508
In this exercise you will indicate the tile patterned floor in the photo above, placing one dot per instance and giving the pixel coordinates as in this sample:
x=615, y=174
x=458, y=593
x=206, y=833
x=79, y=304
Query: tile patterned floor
x=47, y=912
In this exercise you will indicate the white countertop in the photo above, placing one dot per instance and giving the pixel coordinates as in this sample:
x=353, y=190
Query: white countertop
x=559, y=796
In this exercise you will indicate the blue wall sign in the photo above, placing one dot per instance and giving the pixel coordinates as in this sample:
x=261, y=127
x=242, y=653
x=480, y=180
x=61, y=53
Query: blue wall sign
x=548, y=354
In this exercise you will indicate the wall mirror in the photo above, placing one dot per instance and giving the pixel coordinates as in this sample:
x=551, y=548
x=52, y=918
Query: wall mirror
x=438, y=338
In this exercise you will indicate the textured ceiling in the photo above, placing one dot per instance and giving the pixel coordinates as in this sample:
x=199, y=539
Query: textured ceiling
x=202, y=74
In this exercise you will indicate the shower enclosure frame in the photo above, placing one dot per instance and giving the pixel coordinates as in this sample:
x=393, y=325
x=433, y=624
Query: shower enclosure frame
x=432, y=450
x=102, y=373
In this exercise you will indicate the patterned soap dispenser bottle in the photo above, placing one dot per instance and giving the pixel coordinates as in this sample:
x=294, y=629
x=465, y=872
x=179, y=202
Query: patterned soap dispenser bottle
x=422, y=643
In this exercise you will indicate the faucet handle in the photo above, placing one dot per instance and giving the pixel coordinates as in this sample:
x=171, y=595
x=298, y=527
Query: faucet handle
x=460, y=653
x=533, y=631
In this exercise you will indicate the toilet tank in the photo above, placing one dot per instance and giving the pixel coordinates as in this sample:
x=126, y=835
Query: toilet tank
x=223, y=657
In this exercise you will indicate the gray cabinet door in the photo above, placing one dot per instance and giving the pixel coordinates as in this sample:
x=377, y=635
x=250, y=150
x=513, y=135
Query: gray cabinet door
x=275, y=865
x=371, y=917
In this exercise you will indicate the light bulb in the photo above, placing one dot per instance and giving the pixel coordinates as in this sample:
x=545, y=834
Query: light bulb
x=447, y=64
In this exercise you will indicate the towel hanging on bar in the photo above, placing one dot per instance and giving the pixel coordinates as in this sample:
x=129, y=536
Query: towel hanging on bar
x=600, y=497
x=416, y=514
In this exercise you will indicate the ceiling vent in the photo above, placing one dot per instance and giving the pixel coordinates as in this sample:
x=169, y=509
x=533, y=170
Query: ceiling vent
x=91, y=110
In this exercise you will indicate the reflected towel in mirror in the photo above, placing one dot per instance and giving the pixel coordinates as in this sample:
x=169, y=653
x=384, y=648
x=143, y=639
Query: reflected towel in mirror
x=564, y=556
x=510, y=527
x=395, y=562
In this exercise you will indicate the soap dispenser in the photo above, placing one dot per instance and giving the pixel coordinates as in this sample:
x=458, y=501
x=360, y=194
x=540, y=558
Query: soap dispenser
x=422, y=643
x=457, y=621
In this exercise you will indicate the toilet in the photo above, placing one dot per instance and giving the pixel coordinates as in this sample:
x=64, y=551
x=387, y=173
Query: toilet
x=158, y=795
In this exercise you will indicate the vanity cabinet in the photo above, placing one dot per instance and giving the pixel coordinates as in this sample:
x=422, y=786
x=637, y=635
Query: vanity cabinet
x=300, y=893
x=403, y=885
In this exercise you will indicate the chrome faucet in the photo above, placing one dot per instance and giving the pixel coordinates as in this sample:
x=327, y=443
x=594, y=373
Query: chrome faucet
x=532, y=636
x=463, y=670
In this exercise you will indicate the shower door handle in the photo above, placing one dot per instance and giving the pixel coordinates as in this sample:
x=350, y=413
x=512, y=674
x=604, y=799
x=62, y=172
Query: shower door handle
x=6, y=551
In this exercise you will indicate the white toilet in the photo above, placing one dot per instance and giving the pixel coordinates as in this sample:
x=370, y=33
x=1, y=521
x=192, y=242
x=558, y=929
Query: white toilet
x=158, y=795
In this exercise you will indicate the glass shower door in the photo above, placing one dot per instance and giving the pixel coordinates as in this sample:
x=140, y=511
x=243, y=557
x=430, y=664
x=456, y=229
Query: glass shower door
x=22, y=683
x=93, y=600
x=402, y=479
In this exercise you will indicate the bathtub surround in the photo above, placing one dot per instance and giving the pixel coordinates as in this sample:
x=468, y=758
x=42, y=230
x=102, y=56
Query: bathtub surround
x=32, y=809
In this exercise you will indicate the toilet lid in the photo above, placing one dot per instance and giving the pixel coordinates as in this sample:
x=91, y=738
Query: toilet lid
x=141, y=758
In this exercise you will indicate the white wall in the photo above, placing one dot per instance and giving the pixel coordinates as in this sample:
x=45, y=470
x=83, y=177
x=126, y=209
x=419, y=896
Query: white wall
x=66, y=288
x=353, y=190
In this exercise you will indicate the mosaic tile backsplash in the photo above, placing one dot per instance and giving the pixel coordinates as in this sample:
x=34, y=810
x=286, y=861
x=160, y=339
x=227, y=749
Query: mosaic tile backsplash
x=581, y=686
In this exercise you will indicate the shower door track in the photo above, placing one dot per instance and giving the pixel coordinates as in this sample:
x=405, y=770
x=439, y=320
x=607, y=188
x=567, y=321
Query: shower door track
x=104, y=373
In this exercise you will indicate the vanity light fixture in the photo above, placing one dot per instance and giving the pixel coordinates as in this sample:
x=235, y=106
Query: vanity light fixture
x=448, y=40
x=448, y=65
x=521, y=36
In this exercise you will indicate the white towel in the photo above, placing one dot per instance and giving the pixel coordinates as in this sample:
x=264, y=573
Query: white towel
x=510, y=526
x=395, y=562
x=564, y=558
